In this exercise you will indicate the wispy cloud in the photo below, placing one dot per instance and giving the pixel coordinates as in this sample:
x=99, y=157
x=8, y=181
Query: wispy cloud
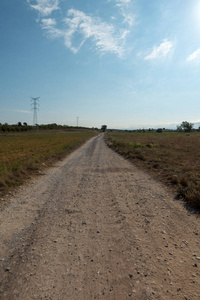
x=161, y=51
x=102, y=34
x=79, y=27
x=122, y=2
x=124, y=6
x=49, y=25
x=44, y=7
x=195, y=56
x=128, y=18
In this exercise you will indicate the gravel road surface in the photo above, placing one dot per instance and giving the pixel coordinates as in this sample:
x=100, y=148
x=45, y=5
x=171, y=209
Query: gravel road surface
x=96, y=227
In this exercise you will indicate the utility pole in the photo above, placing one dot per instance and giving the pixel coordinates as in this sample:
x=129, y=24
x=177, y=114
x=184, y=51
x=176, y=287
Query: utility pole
x=77, y=120
x=35, y=109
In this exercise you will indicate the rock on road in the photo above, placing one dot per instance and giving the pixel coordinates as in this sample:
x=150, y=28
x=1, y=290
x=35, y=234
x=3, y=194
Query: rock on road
x=96, y=227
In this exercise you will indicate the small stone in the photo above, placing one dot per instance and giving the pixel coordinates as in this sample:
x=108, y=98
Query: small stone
x=195, y=265
x=131, y=275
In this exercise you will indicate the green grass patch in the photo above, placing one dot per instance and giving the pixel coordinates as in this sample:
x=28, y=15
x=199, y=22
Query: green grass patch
x=22, y=154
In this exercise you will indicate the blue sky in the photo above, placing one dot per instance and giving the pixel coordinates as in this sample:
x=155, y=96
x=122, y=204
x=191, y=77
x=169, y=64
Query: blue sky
x=124, y=63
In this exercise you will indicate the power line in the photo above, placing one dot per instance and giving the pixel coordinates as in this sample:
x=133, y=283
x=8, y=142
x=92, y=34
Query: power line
x=35, y=108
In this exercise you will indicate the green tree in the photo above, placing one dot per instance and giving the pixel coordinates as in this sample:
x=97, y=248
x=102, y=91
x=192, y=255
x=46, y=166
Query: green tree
x=103, y=128
x=186, y=126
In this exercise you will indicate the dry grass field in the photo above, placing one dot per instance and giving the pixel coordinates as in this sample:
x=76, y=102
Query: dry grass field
x=173, y=157
x=24, y=153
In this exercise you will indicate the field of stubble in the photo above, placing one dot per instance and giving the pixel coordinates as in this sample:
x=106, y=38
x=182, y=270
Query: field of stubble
x=173, y=157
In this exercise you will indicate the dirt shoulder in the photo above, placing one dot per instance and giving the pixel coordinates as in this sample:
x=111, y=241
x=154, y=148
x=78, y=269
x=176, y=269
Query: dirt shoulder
x=97, y=227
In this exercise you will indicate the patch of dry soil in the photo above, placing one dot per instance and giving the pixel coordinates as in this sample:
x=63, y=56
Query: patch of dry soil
x=97, y=227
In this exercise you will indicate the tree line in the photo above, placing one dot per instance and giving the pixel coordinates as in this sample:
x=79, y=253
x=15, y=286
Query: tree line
x=22, y=127
x=185, y=126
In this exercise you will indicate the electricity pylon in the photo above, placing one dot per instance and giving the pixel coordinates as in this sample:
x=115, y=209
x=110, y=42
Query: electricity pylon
x=35, y=109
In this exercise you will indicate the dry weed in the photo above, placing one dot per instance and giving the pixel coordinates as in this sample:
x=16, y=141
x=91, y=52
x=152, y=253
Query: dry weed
x=173, y=157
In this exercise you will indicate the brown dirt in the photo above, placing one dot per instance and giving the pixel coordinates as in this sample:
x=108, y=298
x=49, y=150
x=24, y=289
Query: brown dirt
x=97, y=227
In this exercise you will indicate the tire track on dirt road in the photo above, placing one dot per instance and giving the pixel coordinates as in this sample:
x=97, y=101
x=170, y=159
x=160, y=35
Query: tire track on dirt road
x=96, y=227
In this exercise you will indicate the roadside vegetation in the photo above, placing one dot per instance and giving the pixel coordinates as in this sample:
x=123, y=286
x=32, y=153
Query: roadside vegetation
x=26, y=153
x=174, y=157
x=24, y=127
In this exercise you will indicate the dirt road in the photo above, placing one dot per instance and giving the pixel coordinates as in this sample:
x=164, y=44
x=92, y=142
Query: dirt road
x=96, y=227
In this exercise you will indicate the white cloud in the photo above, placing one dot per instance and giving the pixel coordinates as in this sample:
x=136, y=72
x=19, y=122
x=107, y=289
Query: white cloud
x=102, y=34
x=195, y=56
x=51, y=31
x=46, y=23
x=44, y=7
x=161, y=51
x=129, y=18
x=124, y=6
x=122, y=2
x=78, y=27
